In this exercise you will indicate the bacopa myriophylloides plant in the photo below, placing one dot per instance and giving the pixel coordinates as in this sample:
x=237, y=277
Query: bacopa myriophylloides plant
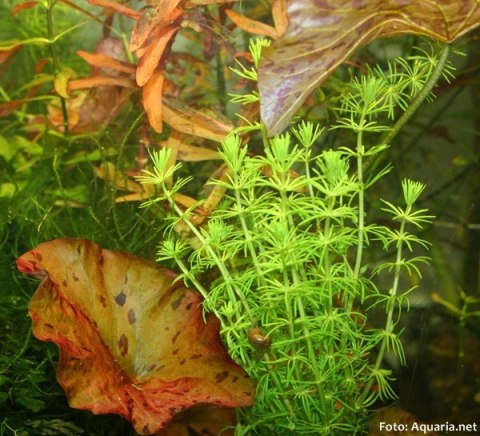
x=286, y=247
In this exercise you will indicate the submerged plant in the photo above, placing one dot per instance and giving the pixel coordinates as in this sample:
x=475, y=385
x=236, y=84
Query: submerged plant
x=286, y=250
x=284, y=261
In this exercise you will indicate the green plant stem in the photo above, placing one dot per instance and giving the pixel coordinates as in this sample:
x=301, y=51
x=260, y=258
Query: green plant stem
x=247, y=234
x=56, y=64
x=361, y=200
x=286, y=216
x=422, y=95
x=419, y=99
x=130, y=130
x=391, y=307
x=308, y=176
x=221, y=86
x=226, y=277
x=462, y=324
x=326, y=259
x=221, y=266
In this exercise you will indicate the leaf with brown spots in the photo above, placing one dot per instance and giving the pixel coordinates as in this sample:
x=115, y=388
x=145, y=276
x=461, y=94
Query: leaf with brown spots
x=251, y=26
x=321, y=34
x=280, y=21
x=154, y=17
x=131, y=341
x=195, y=123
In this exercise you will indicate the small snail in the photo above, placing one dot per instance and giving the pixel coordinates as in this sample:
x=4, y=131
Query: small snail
x=258, y=339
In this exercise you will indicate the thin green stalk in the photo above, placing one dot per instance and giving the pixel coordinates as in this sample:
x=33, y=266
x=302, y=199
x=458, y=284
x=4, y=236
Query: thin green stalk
x=361, y=201
x=422, y=95
x=389, y=322
x=121, y=150
x=21, y=352
x=461, y=343
x=57, y=154
x=419, y=99
x=221, y=85
x=301, y=309
x=268, y=361
x=309, y=178
x=56, y=64
x=248, y=236
x=221, y=266
x=259, y=278
x=326, y=258
x=130, y=130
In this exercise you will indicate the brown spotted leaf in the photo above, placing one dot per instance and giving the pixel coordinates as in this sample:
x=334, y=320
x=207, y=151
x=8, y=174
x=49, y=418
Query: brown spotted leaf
x=251, y=26
x=195, y=123
x=131, y=341
x=321, y=34
x=158, y=16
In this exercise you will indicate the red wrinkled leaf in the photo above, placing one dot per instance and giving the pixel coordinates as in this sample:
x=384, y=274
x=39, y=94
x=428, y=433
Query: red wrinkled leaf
x=322, y=33
x=131, y=342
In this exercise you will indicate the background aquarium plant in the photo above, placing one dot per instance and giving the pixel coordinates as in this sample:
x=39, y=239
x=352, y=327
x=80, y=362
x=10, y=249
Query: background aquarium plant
x=304, y=175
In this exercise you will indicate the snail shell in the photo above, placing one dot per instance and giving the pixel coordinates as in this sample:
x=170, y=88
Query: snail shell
x=258, y=339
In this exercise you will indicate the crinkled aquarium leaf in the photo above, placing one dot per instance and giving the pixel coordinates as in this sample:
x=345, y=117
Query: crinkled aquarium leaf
x=131, y=341
x=323, y=33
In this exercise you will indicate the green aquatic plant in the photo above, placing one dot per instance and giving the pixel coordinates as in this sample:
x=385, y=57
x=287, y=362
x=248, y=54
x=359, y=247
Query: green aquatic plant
x=281, y=261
